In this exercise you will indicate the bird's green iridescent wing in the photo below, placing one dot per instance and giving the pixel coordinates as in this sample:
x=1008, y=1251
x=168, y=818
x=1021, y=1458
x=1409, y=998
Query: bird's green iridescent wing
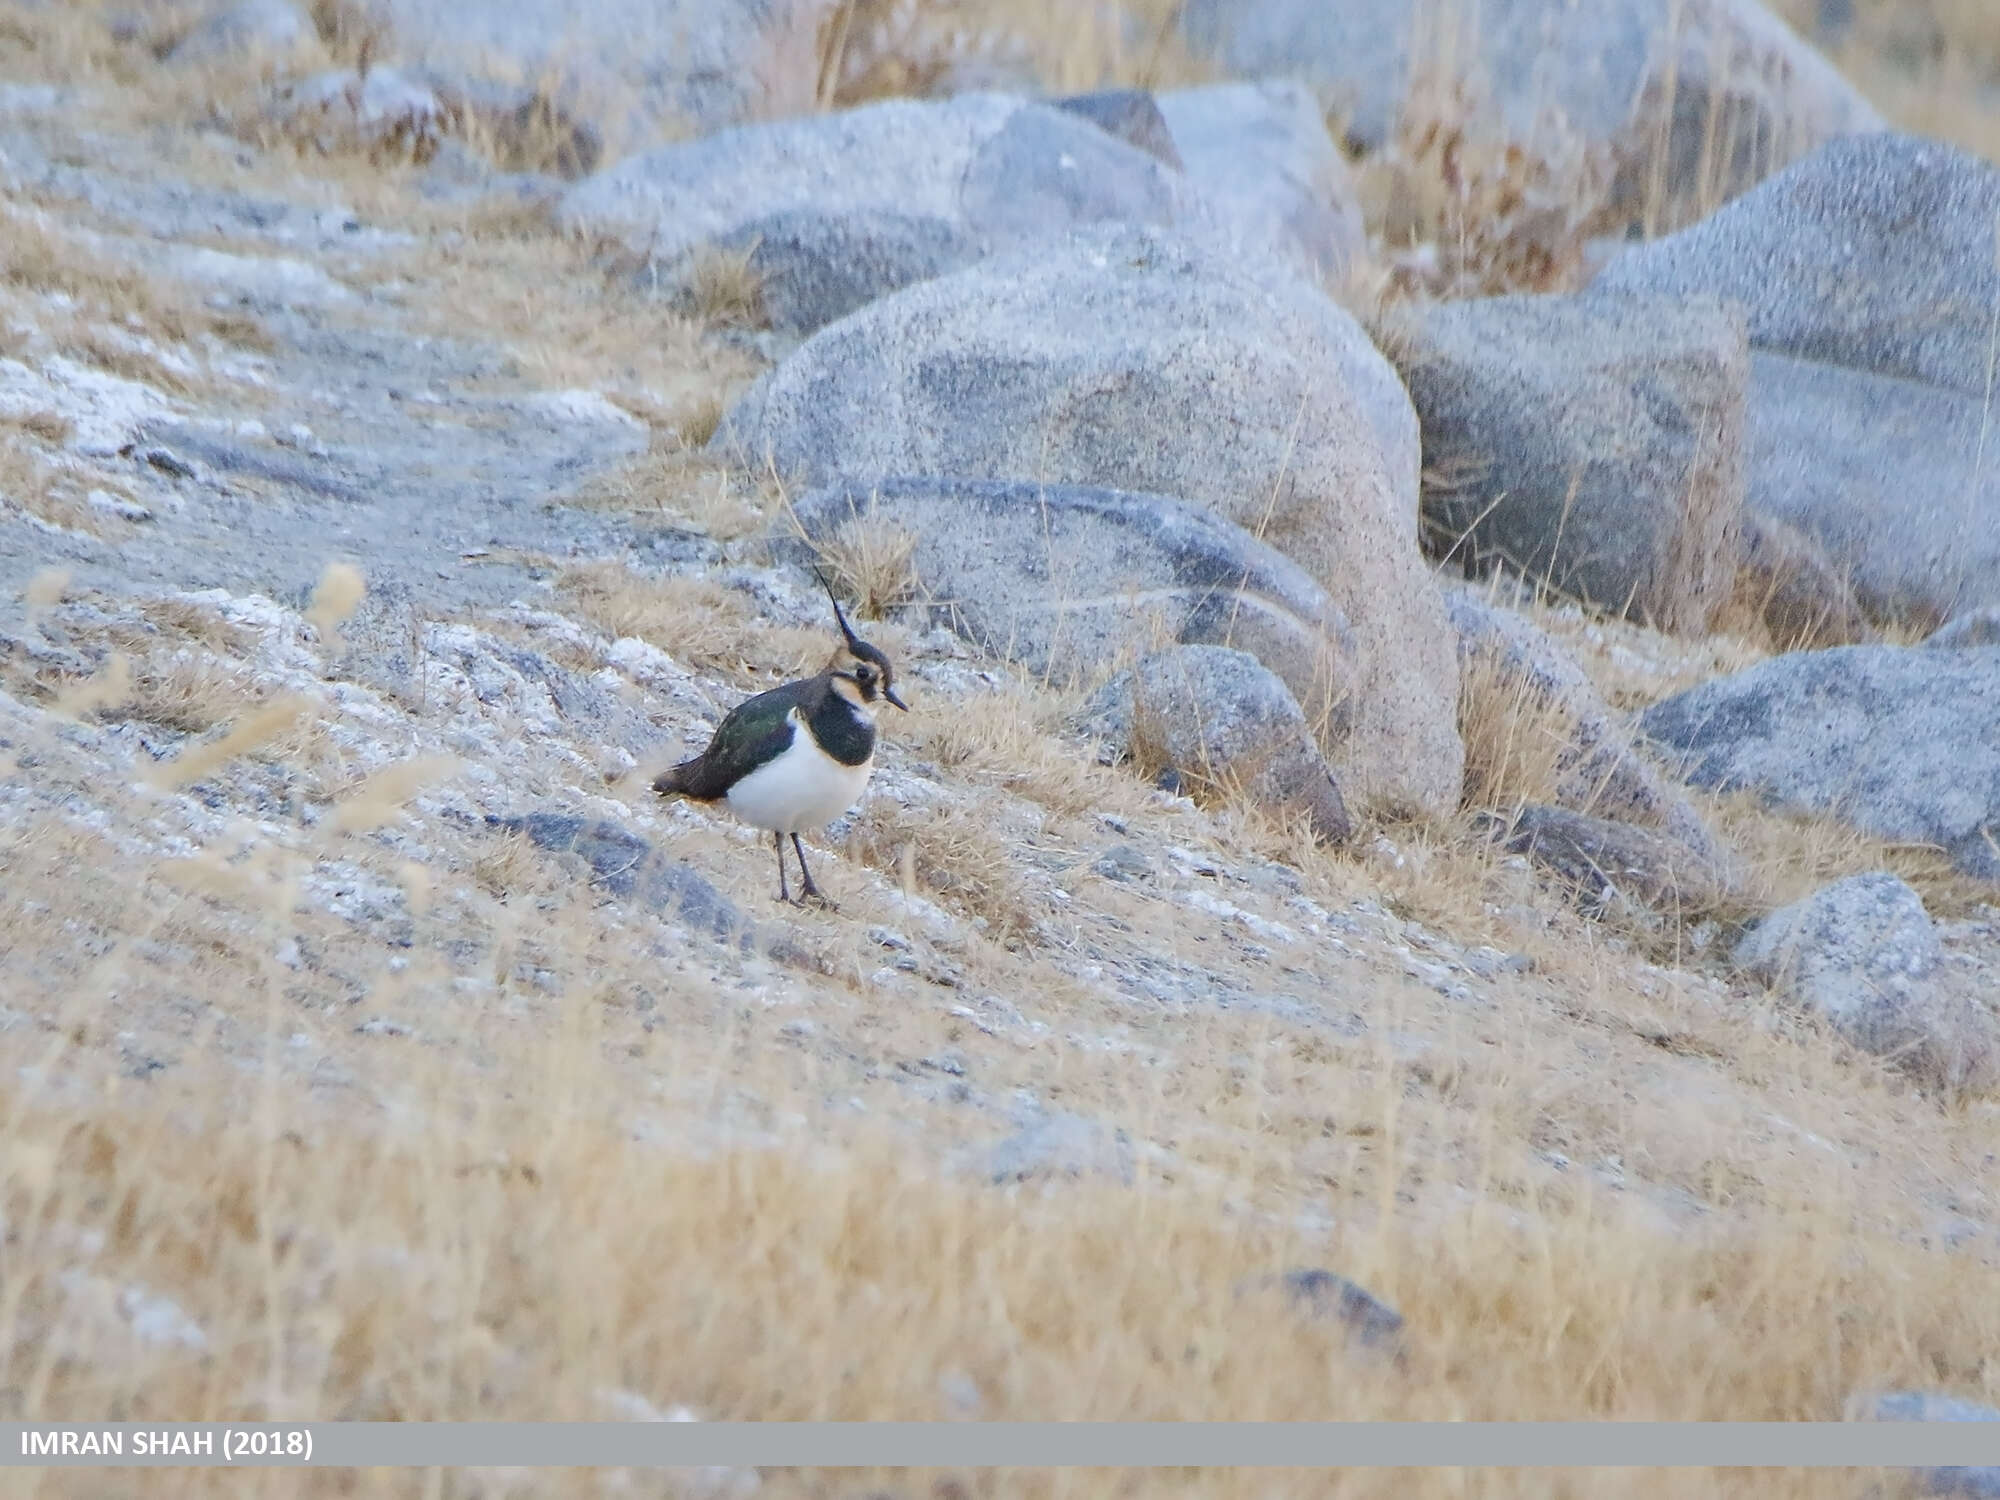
x=755, y=731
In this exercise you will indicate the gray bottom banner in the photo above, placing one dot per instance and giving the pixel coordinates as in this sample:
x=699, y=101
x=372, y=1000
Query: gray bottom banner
x=1011, y=1444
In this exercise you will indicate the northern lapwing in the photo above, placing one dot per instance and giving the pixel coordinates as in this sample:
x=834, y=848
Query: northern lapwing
x=796, y=757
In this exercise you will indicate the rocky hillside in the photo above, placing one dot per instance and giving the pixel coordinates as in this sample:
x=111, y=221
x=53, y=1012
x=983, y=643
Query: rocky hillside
x=1442, y=861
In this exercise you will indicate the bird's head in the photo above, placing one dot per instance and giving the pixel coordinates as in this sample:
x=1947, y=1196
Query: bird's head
x=859, y=665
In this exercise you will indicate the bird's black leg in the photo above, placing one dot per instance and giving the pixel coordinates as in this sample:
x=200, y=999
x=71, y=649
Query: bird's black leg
x=809, y=891
x=784, y=891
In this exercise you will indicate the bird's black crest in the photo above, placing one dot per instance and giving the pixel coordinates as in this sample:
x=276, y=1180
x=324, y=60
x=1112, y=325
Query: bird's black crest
x=858, y=646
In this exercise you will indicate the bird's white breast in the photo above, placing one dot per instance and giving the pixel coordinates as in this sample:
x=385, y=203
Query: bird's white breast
x=803, y=788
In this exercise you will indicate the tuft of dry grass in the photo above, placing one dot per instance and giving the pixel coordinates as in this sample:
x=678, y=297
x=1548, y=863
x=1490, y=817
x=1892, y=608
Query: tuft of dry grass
x=1515, y=737
x=1460, y=212
x=674, y=479
x=697, y=621
x=958, y=860
x=873, y=562
x=30, y=483
x=725, y=289
x=877, y=49
x=187, y=693
x=511, y=865
x=1791, y=855
x=195, y=622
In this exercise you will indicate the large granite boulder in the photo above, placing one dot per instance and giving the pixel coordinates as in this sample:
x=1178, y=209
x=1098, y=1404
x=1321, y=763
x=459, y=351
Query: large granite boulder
x=832, y=211
x=1130, y=358
x=1695, y=99
x=1594, y=443
x=1868, y=279
x=1064, y=580
x=1261, y=155
x=1902, y=742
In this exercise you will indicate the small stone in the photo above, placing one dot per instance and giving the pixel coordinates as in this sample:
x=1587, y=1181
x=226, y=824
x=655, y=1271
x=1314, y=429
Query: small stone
x=1122, y=862
x=1212, y=717
x=119, y=506
x=167, y=461
x=1610, y=864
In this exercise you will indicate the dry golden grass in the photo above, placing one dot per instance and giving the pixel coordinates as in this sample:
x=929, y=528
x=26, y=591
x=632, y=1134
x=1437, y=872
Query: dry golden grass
x=1930, y=65
x=849, y=1279
x=574, y=312
x=694, y=620
x=674, y=480
x=193, y=621
x=106, y=311
x=954, y=856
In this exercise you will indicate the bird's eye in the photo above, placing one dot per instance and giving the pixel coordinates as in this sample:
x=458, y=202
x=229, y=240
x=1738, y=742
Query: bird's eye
x=864, y=675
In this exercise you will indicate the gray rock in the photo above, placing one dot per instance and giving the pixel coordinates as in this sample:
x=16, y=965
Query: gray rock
x=626, y=865
x=1219, y=720
x=1978, y=627
x=1924, y=1406
x=1133, y=359
x=1133, y=115
x=1324, y=1294
x=1962, y=1482
x=1123, y=863
x=1903, y=743
x=834, y=211
x=1614, y=866
x=1862, y=955
x=1966, y=1482
x=1823, y=262
x=636, y=69
x=1601, y=771
x=1729, y=89
x=1059, y=1144
x=417, y=113
x=1261, y=155
x=267, y=27
x=1595, y=443
x=383, y=110
x=1063, y=579
x=1788, y=583
x=1869, y=412
x=814, y=266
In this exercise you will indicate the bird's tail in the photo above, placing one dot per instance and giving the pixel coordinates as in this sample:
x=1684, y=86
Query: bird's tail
x=673, y=781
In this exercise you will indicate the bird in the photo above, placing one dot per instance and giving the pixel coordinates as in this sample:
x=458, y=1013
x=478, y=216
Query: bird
x=798, y=756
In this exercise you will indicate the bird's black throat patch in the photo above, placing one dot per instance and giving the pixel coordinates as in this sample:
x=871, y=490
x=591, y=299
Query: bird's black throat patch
x=842, y=730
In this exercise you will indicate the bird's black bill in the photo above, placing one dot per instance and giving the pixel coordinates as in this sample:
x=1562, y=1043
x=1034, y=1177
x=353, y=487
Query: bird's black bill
x=890, y=694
